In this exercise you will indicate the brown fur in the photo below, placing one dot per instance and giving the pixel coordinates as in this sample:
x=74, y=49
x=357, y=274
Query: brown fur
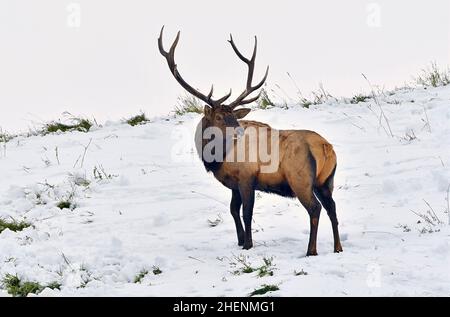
x=295, y=147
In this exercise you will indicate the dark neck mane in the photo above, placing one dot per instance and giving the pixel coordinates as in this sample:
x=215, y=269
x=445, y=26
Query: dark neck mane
x=200, y=144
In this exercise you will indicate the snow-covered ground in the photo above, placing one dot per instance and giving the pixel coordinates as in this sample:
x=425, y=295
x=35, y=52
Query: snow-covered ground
x=158, y=206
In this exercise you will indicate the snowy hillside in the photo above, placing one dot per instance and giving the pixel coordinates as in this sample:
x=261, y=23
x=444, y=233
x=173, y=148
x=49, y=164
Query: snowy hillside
x=151, y=222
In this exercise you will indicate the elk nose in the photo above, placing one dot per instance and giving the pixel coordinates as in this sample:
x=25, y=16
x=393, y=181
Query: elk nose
x=240, y=132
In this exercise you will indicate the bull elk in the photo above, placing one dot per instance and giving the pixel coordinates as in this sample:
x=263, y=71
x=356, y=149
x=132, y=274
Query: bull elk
x=306, y=165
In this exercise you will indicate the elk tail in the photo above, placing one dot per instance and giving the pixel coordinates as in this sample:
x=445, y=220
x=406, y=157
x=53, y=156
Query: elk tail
x=329, y=165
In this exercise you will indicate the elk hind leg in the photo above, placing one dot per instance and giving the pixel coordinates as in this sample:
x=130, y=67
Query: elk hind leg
x=302, y=186
x=325, y=195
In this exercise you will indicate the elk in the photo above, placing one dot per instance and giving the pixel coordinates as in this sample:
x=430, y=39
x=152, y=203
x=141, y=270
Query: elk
x=305, y=170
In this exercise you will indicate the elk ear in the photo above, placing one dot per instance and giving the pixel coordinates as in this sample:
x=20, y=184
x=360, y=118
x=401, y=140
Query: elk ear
x=207, y=111
x=241, y=113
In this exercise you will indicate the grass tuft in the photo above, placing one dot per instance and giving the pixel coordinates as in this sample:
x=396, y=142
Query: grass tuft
x=5, y=137
x=359, y=98
x=264, y=289
x=138, y=278
x=13, y=225
x=248, y=269
x=264, y=101
x=156, y=270
x=77, y=124
x=138, y=119
x=300, y=273
x=320, y=96
x=65, y=204
x=188, y=104
x=100, y=174
x=143, y=273
x=54, y=285
x=15, y=287
x=79, y=179
x=433, y=76
x=18, y=288
x=266, y=269
x=306, y=103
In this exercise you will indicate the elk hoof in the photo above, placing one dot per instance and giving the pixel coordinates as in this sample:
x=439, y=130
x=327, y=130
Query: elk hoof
x=338, y=250
x=311, y=253
x=248, y=246
x=240, y=243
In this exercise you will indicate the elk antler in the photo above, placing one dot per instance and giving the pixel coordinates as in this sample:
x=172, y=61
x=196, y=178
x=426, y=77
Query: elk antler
x=170, y=57
x=251, y=67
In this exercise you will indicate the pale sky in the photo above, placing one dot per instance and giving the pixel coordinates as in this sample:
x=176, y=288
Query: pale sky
x=104, y=61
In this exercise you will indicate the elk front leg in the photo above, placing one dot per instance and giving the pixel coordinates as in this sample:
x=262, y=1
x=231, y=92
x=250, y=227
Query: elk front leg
x=235, y=207
x=247, y=193
x=325, y=195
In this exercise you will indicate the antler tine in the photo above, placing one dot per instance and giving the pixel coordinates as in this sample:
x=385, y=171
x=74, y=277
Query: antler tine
x=224, y=98
x=255, y=49
x=211, y=92
x=160, y=43
x=172, y=49
x=236, y=50
x=261, y=83
x=248, y=101
x=170, y=57
x=251, y=68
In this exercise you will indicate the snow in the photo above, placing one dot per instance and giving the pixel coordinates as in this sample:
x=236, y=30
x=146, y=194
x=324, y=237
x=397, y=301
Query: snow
x=157, y=206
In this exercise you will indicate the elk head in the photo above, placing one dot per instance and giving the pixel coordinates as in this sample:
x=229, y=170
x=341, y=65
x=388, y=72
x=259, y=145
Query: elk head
x=216, y=113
